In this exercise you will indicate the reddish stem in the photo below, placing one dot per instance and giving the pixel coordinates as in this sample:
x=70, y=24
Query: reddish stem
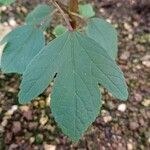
x=73, y=8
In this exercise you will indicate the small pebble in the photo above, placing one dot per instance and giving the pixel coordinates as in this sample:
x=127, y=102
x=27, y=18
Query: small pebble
x=12, y=22
x=50, y=127
x=146, y=60
x=28, y=115
x=6, y=117
x=24, y=108
x=14, y=108
x=16, y=127
x=42, y=103
x=8, y=137
x=4, y=123
x=49, y=147
x=141, y=121
x=3, y=8
x=35, y=104
x=102, y=10
x=122, y=107
x=32, y=139
x=146, y=63
x=149, y=140
x=128, y=27
x=138, y=97
x=24, y=10
x=9, y=113
x=107, y=119
x=33, y=125
x=43, y=120
x=129, y=146
x=133, y=125
x=125, y=55
x=48, y=101
x=106, y=116
x=146, y=102
x=13, y=146
x=1, y=129
x=111, y=105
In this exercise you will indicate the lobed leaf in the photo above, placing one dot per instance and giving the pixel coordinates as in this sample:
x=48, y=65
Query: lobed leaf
x=40, y=16
x=80, y=64
x=59, y=30
x=22, y=44
x=86, y=10
x=104, y=34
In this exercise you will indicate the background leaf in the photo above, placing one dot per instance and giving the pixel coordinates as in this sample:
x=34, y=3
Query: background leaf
x=59, y=30
x=86, y=10
x=22, y=44
x=104, y=34
x=81, y=64
x=40, y=16
x=6, y=2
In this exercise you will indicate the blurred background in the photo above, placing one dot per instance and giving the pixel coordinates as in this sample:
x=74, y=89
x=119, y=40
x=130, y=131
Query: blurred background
x=120, y=125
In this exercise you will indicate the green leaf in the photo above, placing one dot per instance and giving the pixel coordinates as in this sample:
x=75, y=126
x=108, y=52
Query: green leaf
x=59, y=30
x=80, y=64
x=86, y=10
x=40, y=16
x=104, y=34
x=22, y=44
x=6, y=2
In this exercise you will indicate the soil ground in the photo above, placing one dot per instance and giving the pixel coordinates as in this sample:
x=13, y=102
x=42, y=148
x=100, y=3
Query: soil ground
x=120, y=125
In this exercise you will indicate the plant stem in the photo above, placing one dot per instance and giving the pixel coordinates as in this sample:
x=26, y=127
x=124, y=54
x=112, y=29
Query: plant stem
x=73, y=9
x=73, y=6
x=65, y=16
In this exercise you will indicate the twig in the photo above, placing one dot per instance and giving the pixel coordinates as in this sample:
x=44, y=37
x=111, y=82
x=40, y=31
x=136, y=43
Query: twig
x=77, y=15
x=73, y=8
x=65, y=16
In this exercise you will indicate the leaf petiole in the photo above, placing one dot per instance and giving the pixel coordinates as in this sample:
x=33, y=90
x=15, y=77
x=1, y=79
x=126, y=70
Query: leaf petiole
x=65, y=16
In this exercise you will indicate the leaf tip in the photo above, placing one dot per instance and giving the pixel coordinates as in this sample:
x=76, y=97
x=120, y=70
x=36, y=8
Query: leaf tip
x=75, y=139
x=125, y=95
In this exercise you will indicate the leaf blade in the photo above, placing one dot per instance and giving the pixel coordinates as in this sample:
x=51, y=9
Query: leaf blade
x=44, y=61
x=104, y=34
x=6, y=2
x=40, y=16
x=75, y=99
x=59, y=30
x=106, y=66
x=20, y=50
x=78, y=103
x=86, y=10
